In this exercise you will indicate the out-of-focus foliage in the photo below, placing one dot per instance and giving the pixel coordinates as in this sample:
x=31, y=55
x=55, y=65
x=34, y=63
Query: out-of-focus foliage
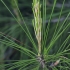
x=10, y=28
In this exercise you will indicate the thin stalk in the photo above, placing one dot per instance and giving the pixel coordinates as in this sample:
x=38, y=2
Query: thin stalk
x=15, y=10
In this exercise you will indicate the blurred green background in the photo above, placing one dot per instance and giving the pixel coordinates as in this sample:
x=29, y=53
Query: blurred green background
x=10, y=28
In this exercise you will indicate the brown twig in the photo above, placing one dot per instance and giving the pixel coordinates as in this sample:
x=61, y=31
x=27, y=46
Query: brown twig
x=11, y=37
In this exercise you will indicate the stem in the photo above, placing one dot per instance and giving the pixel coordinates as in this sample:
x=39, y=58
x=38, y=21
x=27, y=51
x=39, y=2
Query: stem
x=37, y=23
